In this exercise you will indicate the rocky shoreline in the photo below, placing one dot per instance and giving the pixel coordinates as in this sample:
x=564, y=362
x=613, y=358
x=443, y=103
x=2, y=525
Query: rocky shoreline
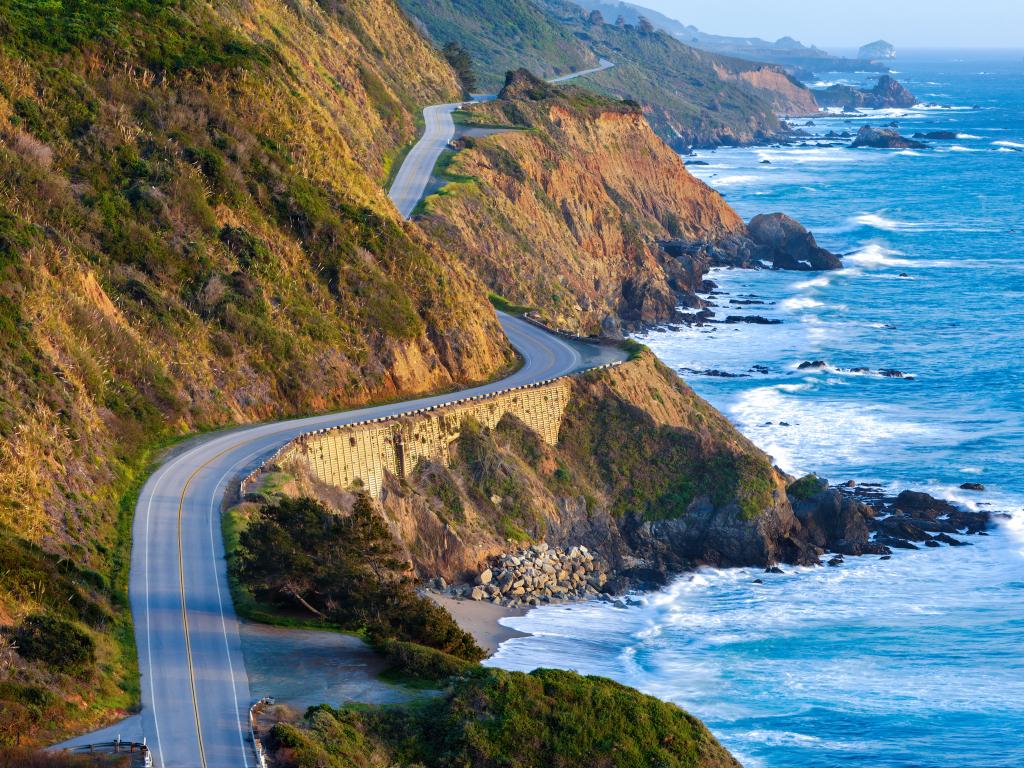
x=534, y=575
x=834, y=521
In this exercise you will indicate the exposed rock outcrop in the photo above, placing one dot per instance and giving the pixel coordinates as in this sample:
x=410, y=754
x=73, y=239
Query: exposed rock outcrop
x=788, y=244
x=884, y=138
x=588, y=216
x=887, y=93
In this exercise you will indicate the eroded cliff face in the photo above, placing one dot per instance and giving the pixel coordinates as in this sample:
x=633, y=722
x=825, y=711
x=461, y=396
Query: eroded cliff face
x=645, y=473
x=565, y=215
x=786, y=96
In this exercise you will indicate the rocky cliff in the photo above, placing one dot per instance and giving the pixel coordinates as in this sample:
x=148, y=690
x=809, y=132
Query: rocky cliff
x=582, y=212
x=645, y=474
x=787, y=95
x=564, y=216
x=886, y=93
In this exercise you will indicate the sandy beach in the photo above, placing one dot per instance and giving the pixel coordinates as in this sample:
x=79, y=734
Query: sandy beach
x=480, y=619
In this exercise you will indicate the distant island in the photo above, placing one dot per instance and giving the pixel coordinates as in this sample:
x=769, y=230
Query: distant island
x=877, y=51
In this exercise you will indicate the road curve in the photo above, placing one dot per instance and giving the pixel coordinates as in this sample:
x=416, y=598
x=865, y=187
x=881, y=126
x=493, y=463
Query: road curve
x=413, y=177
x=195, y=693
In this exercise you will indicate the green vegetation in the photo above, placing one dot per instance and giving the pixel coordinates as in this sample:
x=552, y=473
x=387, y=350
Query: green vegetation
x=502, y=304
x=192, y=234
x=57, y=643
x=460, y=60
x=419, y=661
x=344, y=569
x=654, y=471
x=501, y=35
x=498, y=482
x=685, y=99
x=496, y=719
x=634, y=348
x=806, y=487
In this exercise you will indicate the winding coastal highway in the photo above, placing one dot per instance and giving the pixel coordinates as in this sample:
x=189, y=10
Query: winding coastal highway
x=195, y=692
x=439, y=128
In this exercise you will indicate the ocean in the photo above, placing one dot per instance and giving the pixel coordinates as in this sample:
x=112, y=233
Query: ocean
x=919, y=660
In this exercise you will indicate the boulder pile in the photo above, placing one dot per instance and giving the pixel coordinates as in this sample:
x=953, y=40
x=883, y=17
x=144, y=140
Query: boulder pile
x=539, y=574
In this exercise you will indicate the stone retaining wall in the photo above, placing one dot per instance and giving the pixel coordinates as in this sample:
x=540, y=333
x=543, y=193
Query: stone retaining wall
x=357, y=456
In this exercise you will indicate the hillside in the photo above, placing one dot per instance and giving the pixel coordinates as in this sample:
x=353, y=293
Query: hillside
x=786, y=52
x=501, y=35
x=690, y=97
x=495, y=719
x=193, y=233
x=644, y=472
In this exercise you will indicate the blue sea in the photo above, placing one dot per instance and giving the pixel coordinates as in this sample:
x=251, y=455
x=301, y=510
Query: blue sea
x=919, y=660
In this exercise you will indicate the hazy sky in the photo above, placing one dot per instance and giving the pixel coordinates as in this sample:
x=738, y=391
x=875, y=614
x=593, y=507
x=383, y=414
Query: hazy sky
x=907, y=23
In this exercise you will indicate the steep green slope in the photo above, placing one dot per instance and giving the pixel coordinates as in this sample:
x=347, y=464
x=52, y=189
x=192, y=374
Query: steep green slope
x=193, y=233
x=501, y=35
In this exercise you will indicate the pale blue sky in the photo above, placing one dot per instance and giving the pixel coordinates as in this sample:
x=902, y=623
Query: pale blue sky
x=907, y=23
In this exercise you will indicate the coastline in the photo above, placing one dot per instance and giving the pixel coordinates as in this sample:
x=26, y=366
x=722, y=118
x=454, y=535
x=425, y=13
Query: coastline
x=481, y=619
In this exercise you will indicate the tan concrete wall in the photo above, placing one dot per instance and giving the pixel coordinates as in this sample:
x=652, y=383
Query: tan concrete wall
x=357, y=456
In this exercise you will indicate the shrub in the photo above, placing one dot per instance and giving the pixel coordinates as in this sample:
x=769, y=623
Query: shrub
x=498, y=719
x=420, y=661
x=57, y=643
x=806, y=487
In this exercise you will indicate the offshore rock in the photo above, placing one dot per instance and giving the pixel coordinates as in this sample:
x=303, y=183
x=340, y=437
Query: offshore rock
x=884, y=138
x=887, y=94
x=877, y=51
x=788, y=244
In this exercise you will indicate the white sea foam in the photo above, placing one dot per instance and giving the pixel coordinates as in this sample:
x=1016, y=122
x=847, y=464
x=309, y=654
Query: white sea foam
x=959, y=148
x=909, y=153
x=967, y=136
x=879, y=221
x=1009, y=144
x=801, y=302
x=817, y=282
x=726, y=181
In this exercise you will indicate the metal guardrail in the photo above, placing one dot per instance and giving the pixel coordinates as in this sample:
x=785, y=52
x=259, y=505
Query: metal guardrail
x=141, y=755
x=257, y=746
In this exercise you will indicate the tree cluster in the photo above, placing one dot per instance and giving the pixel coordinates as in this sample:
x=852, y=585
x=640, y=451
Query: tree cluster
x=460, y=60
x=345, y=569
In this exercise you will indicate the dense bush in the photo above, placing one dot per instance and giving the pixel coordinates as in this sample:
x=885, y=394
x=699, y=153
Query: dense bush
x=497, y=719
x=57, y=643
x=420, y=661
x=656, y=471
x=347, y=569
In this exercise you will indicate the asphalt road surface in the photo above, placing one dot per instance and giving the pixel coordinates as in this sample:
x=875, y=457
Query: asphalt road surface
x=195, y=693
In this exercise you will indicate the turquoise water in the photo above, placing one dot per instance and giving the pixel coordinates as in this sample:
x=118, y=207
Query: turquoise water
x=917, y=661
